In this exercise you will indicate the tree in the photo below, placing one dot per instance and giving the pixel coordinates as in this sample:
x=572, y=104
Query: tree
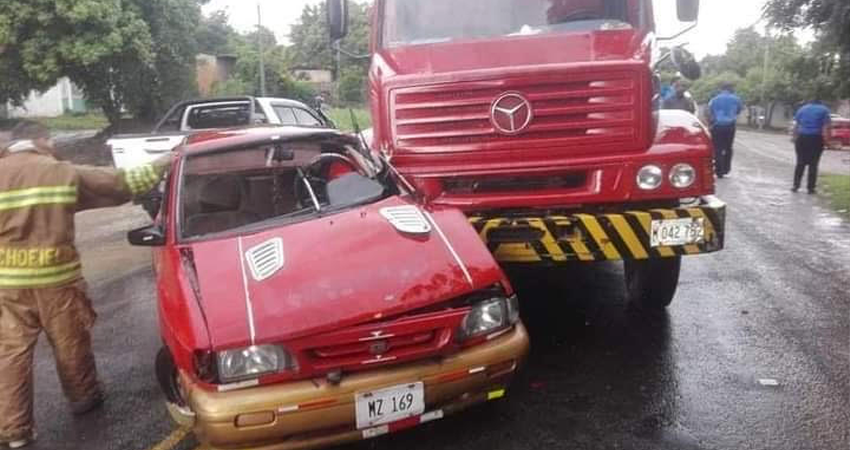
x=137, y=54
x=311, y=46
x=831, y=20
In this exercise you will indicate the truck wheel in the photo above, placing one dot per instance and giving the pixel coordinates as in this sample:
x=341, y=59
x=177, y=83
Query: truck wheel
x=651, y=284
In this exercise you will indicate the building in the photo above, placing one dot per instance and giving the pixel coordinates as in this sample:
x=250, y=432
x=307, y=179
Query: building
x=63, y=98
x=213, y=69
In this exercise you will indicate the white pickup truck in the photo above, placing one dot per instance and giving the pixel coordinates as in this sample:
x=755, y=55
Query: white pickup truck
x=185, y=118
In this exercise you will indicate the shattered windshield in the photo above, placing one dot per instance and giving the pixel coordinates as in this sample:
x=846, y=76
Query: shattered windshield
x=271, y=184
x=416, y=22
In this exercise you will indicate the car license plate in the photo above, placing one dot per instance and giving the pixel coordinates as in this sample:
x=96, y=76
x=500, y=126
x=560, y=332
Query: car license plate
x=389, y=405
x=677, y=232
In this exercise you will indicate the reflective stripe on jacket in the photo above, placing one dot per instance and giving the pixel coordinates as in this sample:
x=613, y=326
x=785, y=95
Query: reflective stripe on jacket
x=39, y=196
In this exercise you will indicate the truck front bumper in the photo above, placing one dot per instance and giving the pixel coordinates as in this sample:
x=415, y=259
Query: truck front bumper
x=599, y=237
x=314, y=413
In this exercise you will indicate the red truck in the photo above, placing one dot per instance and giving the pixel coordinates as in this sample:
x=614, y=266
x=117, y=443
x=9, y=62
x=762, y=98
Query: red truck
x=540, y=120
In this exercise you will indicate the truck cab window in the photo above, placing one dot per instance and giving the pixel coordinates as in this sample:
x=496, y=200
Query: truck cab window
x=171, y=123
x=412, y=23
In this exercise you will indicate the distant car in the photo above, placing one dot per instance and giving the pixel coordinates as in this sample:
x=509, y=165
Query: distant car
x=186, y=118
x=307, y=300
x=840, y=132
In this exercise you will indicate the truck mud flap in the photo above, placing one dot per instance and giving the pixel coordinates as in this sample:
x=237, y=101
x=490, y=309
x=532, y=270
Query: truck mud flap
x=597, y=237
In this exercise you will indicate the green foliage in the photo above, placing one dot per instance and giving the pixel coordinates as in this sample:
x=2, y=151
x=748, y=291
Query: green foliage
x=709, y=85
x=311, y=46
x=837, y=189
x=831, y=20
x=352, y=84
x=137, y=54
x=342, y=118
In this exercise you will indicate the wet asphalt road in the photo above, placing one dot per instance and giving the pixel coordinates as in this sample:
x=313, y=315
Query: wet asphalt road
x=774, y=305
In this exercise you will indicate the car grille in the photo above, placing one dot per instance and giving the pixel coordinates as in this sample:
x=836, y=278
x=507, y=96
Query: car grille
x=584, y=109
x=381, y=343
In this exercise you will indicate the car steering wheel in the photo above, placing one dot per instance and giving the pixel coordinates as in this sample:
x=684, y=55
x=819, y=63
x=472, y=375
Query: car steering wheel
x=314, y=176
x=582, y=14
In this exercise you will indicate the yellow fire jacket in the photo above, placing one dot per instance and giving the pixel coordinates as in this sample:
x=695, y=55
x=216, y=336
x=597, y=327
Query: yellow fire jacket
x=39, y=196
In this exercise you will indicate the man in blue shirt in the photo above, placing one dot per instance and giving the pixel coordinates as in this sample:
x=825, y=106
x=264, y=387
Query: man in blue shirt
x=812, y=124
x=723, y=112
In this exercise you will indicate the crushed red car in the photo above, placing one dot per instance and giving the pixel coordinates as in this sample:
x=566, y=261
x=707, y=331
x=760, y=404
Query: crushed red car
x=305, y=299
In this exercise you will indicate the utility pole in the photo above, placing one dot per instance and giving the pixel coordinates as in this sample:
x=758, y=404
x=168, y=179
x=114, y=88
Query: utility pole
x=764, y=75
x=260, y=46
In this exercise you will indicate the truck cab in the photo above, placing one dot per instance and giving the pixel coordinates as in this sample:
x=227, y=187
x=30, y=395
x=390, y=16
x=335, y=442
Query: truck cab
x=540, y=120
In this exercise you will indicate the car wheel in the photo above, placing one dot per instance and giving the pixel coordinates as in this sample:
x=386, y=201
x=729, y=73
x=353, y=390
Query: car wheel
x=651, y=284
x=166, y=375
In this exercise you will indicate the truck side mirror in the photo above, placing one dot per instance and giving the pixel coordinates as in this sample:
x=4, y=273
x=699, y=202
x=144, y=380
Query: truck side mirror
x=151, y=236
x=685, y=63
x=687, y=10
x=337, y=19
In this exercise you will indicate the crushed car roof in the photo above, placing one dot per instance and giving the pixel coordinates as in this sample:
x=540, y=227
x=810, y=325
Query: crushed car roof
x=217, y=140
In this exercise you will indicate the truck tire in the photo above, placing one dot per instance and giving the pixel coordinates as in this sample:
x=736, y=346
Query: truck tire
x=651, y=284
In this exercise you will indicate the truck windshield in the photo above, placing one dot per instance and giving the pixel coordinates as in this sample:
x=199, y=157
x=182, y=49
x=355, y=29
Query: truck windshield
x=412, y=22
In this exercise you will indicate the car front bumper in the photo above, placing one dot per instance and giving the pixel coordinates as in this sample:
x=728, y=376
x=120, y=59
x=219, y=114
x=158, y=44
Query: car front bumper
x=597, y=237
x=315, y=413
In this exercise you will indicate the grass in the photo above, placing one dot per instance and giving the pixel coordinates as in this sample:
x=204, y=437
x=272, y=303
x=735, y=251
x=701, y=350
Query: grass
x=67, y=122
x=837, y=190
x=71, y=122
x=342, y=118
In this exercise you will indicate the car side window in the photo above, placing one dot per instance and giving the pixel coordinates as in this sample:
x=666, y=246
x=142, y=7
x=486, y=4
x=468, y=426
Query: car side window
x=259, y=114
x=306, y=119
x=172, y=122
x=285, y=114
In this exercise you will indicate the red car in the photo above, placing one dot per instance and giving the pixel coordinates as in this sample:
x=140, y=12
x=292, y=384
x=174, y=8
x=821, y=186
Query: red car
x=305, y=299
x=840, y=132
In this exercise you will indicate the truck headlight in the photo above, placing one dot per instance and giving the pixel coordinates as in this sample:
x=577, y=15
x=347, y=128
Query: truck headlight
x=490, y=316
x=650, y=177
x=253, y=362
x=682, y=176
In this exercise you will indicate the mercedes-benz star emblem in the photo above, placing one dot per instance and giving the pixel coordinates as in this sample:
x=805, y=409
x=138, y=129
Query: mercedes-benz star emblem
x=511, y=113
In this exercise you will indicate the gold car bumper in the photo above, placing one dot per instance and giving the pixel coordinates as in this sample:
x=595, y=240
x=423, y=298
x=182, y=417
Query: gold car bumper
x=314, y=413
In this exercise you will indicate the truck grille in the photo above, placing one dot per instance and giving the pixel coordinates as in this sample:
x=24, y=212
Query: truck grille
x=570, y=109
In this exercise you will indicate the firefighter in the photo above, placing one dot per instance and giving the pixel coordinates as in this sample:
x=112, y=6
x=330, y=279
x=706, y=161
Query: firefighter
x=41, y=281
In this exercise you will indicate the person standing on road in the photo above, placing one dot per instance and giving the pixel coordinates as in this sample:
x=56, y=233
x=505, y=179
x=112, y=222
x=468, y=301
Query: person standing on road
x=811, y=130
x=680, y=99
x=723, y=111
x=41, y=279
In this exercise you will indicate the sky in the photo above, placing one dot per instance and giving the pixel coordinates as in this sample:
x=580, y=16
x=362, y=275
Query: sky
x=718, y=19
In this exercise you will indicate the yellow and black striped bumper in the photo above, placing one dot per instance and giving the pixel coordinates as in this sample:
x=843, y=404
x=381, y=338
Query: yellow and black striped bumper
x=600, y=237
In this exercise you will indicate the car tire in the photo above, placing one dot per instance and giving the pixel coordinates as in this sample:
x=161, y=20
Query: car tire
x=166, y=375
x=651, y=284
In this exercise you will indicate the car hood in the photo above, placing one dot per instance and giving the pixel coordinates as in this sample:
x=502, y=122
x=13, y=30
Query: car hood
x=513, y=52
x=340, y=270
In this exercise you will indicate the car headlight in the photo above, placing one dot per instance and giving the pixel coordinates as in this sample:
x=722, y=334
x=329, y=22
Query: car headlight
x=683, y=176
x=650, y=177
x=253, y=362
x=490, y=316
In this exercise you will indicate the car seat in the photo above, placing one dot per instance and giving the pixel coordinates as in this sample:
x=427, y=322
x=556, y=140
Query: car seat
x=219, y=206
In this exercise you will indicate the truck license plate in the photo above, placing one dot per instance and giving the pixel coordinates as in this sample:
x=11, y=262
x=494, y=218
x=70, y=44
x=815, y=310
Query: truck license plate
x=677, y=232
x=389, y=405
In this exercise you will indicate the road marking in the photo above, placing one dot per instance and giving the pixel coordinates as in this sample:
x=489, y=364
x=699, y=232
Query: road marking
x=173, y=439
